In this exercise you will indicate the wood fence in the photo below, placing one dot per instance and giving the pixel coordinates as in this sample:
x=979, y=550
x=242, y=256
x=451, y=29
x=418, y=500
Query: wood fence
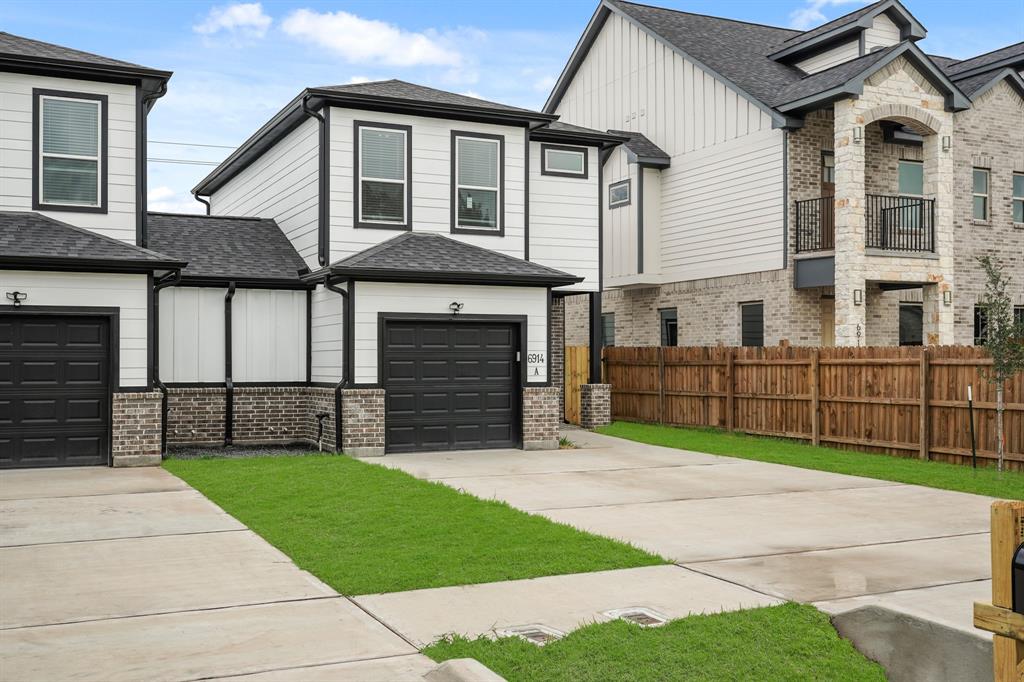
x=905, y=401
x=577, y=373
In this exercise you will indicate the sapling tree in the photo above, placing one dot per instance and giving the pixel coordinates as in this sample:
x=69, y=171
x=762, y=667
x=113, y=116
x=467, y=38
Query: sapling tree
x=1004, y=339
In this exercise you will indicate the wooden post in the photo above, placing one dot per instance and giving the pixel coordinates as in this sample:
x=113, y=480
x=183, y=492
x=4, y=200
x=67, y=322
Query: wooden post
x=1007, y=534
x=730, y=388
x=815, y=399
x=924, y=453
x=661, y=385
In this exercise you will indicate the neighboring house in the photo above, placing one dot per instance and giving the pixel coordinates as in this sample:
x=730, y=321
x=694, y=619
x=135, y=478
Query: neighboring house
x=830, y=186
x=382, y=270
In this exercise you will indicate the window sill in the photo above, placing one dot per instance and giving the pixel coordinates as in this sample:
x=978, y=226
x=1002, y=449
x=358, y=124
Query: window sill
x=486, y=231
x=36, y=206
x=983, y=223
x=1018, y=226
x=382, y=226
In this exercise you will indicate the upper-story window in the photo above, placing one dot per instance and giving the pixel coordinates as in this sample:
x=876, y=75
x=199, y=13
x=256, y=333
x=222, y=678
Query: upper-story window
x=561, y=161
x=980, y=192
x=1018, y=197
x=69, y=169
x=383, y=159
x=477, y=183
x=619, y=194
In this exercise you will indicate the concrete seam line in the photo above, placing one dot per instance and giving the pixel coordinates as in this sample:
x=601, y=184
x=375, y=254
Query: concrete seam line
x=371, y=614
x=129, y=537
x=732, y=582
x=575, y=471
x=306, y=667
x=904, y=589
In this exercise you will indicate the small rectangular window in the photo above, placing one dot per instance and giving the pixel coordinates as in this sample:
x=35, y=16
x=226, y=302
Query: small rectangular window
x=477, y=162
x=669, y=327
x=911, y=179
x=382, y=177
x=70, y=146
x=568, y=162
x=911, y=324
x=980, y=326
x=828, y=168
x=1018, y=197
x=619, y=194
x=752, y=323
x=980, y=193
x=608, y=328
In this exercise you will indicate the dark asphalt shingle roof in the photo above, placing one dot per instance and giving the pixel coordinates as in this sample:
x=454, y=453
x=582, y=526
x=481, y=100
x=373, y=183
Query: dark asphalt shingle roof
x=34, y=235
x=838, y=22
x=432, y=254
x=640, y=145
x=1013, y=52
x=830, y=78
x=226, y=248
x=20, y=46
x=402, y=90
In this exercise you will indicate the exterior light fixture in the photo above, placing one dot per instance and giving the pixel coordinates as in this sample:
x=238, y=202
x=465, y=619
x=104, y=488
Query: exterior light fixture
x=455, y=307
x=947, y=297
x=16, y=297
x=946, y=143
x=858, y=135
x=858, y=297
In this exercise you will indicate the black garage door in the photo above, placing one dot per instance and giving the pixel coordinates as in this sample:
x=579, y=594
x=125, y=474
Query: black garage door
x=450, y=386
x=54, y=391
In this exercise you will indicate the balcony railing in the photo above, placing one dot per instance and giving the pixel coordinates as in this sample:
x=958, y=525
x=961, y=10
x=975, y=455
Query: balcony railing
x=892, y=223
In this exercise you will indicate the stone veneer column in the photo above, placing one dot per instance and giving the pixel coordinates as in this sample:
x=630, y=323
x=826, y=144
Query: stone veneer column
x=135, y=437
x=939, y=170
x=362, y=422
x=851, y=320
x=541, y=417
x=595, y=405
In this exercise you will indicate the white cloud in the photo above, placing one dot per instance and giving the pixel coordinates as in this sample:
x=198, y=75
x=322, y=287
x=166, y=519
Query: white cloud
x=165, y=200
x=363, y=41
x=358, y=79
x=245, y=19
x=811, y=15
x=544, y=83
x=471, y=93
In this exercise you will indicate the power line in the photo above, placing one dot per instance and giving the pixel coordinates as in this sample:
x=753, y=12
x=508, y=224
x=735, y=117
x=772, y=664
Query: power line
x=191, y=144
x=185, y=162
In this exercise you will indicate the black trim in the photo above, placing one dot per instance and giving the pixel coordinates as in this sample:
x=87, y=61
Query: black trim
x=73, y=264
x=596, y=336
x=640, y=221
x=544, y=147
x=150, y=331
x=356, y=220
x=143, y=103
x=238, y=384
x=526, y=192
x=588, y=138
x=323, y=153
x=453, y=277
x=548, y=364
x=229, y=395
x=600, y=221
x=65, y=68
x=309, y=336
x=454, y=227
x=204, y=202
x=245, y=283
x=37, y=203
x=348, y=333
x=629, y=183
x=785, y=199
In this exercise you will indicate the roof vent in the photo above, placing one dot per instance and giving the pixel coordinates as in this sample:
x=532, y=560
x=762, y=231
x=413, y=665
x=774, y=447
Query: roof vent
x=534, y=634
x=641, y=615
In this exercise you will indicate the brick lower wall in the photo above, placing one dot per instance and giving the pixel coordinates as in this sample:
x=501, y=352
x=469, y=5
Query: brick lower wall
x=557, y=359
x=362, y=421
x=195, y=416
x=271, y=414
x=135, y=436
x=541, y=417
x=595, y=405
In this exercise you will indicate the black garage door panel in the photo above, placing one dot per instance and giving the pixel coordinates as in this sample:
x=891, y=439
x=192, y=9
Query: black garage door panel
x=54, y=391
x=450, y=386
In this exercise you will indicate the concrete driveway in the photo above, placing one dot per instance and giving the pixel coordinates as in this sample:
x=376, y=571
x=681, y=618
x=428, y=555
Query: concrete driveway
x=129, y=574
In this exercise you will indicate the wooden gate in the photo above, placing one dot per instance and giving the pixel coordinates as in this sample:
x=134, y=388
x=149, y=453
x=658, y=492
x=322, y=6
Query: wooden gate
x=577, y=373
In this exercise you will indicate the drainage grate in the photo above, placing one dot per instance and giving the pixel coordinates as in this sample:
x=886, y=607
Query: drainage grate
x=641, y=615
x=534, y=634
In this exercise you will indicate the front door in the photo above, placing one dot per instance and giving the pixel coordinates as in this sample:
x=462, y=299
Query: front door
x=828, y=322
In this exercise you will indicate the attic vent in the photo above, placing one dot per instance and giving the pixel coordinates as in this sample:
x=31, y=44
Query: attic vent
x=534, y=634
x=642, y=616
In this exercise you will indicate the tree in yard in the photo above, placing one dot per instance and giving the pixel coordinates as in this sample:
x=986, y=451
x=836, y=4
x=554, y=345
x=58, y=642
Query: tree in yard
x=1004, y=339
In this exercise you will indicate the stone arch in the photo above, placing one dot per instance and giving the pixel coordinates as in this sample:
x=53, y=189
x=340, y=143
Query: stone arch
x=918, y=120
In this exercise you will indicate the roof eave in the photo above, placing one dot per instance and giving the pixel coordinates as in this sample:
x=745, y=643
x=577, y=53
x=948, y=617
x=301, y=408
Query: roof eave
x=579, y=53
x=452, y=277
x=80, y=69
x=1007, y=74
x=595, y=139
x=244, y=282
x=443, y=110
x=992, y=66
x=73, y=264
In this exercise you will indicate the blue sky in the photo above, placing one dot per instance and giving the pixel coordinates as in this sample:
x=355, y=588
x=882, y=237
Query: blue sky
x=236, y=64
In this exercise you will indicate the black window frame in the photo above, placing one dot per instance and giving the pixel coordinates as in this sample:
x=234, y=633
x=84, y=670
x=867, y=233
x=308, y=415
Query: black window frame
x=743, y=328
x=918, y=309
x=545, y=148
x=628, y=182
x=37, y=138
x=980, y=333
x=357, y=174
x=669, y=317
x=454, y=227
x=607, y=321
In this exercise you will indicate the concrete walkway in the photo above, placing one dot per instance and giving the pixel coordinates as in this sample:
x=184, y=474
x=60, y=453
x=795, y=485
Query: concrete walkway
x=129, y=574
x=772, y=530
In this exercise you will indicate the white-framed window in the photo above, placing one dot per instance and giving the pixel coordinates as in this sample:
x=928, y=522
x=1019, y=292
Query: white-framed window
x=69, y=146
x=619, y=193
x=979, y=190
x=562, y=161
x=1018, y=197
x=477, y=182
x=382, y=175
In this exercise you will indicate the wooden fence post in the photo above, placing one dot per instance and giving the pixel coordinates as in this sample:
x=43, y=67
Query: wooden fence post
x=730, y=388
x=815, y=399
x=924, y=453
x=997, y=617
x=661, y=385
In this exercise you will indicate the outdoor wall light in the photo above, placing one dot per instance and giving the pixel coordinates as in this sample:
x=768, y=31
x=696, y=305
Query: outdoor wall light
x=858, y=297
x=946, y=143
x=947, y=297
x=858, y=135
x=16, y=297
x=455, y=307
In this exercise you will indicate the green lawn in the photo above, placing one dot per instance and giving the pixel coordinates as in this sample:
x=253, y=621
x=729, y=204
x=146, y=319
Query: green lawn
x=362, y=528
x=787, y=642
x=987, y=481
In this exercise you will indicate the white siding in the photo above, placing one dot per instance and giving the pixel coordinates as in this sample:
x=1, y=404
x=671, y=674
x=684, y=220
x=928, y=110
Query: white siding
x=431, y=182
x=268, y=338
x=722, y=209
x=829, y=58
x=268, y=335
x=620, y=224
x=376, y=297
x=128, y=293
x=883, y=33
x=282, y=184
x=652, y=221
x=192, y=335
x=564, y=220
x=16, y=151
x=326, y=335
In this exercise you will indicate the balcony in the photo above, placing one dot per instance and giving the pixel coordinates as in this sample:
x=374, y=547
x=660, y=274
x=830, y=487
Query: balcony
x=891, y=223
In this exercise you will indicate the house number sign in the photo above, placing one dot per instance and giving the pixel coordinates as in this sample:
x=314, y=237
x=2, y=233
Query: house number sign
x=536, y=366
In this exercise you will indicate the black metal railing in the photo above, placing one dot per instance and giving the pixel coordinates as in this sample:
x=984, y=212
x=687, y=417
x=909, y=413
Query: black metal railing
x=815, y=224
x=899, y=223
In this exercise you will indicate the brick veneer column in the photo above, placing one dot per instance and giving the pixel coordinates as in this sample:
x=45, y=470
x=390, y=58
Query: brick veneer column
x=595, y=405
x=135, y=436
x=541, y=417
x=557, y=360
x=362, y=422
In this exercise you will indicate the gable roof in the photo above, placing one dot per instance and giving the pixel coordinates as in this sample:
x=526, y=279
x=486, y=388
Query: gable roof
x=641, y=150
x=432, y=257
x=851, y=24
x=395, y=89
x=222, y=248
x=34, y=241
x=567, y=132
x=1011, y=55
x=978, y=84
x=18, y=51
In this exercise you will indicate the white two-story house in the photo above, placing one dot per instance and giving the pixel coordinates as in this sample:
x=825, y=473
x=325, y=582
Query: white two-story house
x=829, y=186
